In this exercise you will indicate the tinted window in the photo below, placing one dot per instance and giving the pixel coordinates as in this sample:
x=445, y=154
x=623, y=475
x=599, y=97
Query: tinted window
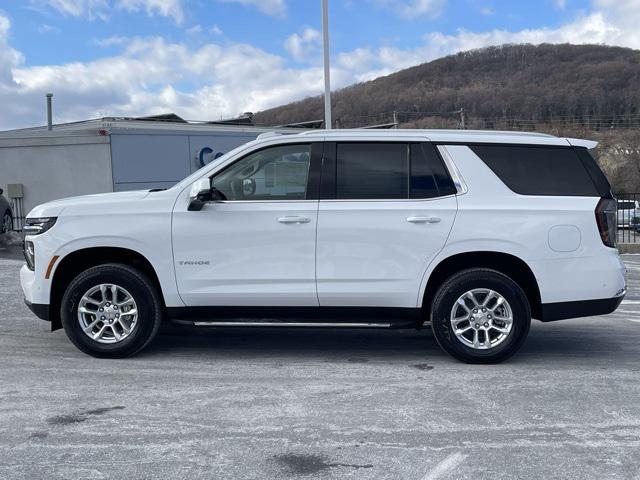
x=372, y=171
x=429, y=177
x=533, y=170
x=601, y=182
x=276, y=173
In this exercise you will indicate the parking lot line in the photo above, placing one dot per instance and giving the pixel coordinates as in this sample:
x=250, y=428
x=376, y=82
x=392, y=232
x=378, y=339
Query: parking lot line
x=445, y=466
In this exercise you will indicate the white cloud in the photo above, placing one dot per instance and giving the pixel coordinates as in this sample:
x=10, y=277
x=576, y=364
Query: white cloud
x=276, y=8
x=102, y=9
x=216, y=30
x=624, y=17
x=77, y=8
x=165, y=8
x=594, y=28
x=411, y=9
x=9, y=57
x=305, y=45
x=153, y=75
x=599, y=27
x=142, y=79
x=196, y=29
x=46, y=28
x=110, y=41
x=561, y=4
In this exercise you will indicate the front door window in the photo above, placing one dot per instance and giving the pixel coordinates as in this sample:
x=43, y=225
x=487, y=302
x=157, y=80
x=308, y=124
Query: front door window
x=275, y=173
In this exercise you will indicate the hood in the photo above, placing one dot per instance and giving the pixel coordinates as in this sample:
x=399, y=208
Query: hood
x=95, y=202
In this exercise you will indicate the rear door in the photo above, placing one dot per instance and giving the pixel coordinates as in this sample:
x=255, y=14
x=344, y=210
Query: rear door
x=386, y=210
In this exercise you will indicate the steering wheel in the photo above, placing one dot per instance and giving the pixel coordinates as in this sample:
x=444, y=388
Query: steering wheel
x=248, y=187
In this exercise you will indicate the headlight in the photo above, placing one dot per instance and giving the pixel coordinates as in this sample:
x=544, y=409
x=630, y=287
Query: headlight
x=30, y=255
x=36, y=226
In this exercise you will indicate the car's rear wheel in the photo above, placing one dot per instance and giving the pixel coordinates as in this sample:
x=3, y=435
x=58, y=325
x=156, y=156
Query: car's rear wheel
x=111, y=311
x=7, y=222
x=480, y=316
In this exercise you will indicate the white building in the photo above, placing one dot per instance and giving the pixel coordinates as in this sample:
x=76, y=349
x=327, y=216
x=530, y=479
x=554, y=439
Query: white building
x=112, y=154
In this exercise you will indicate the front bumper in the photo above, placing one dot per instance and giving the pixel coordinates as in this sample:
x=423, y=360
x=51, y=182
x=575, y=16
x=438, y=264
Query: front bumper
x=34, y=287
x=39, y=309
x=583, y=308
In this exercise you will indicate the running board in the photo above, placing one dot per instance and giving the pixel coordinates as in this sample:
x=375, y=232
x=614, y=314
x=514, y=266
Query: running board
x=205, y=323
x=309, y=317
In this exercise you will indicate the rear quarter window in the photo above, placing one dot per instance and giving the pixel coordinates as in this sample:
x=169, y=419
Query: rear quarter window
x=535, y=170
x=429, y=177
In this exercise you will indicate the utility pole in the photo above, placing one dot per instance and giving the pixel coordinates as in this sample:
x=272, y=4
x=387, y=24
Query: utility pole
x=327, y=72
x=463, y=119
x=395, y=119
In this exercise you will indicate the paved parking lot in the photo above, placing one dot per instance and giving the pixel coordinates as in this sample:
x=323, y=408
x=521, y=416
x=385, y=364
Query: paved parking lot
x=262, y=404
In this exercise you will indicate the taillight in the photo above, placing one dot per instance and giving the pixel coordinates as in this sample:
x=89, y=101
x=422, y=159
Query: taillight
x=606, y=220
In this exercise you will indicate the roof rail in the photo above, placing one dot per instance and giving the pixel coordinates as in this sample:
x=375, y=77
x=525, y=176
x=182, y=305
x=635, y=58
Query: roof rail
x=268, y=135
x=402, y=131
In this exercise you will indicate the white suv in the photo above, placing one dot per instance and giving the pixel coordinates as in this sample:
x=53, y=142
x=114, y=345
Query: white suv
x=472, y=232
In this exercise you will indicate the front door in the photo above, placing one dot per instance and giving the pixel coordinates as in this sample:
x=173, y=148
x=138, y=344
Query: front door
x=386, y=210
x=257, y=247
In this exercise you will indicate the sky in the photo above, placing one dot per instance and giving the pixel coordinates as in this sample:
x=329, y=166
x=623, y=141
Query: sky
x=212, y=59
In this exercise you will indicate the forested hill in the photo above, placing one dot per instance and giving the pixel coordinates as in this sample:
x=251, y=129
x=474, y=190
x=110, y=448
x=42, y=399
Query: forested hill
x=494, y=85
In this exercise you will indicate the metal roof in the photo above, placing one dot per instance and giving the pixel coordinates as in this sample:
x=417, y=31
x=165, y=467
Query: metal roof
x=107, y=125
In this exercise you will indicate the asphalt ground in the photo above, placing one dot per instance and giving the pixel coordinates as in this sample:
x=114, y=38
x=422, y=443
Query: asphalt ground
x=331, y=404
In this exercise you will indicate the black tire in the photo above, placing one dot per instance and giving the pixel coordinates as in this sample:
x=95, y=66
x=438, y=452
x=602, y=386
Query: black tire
x=480, y=278
x=141, y=289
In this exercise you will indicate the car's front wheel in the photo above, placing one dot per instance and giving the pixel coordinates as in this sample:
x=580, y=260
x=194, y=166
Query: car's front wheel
x=111, y=311
x=480, y=316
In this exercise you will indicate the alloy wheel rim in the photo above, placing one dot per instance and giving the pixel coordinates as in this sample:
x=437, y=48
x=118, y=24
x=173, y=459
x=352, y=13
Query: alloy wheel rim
x=481, y=319
x=107, y=313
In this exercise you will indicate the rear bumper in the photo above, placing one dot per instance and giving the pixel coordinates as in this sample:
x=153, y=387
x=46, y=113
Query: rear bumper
x=40, y=310
x=571, y=279
x=584, y=308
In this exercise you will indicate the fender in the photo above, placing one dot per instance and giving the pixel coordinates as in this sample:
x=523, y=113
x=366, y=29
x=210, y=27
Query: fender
x=163, y=267
x=468, y=246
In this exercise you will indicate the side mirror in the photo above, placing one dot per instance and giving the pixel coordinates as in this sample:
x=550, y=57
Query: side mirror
x=1, y=191
x=200, y=194
x=203, y=192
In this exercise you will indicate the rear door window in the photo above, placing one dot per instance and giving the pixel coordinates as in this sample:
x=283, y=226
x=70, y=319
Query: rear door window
x=378, y=170
x=538, y=170
x=372, y=171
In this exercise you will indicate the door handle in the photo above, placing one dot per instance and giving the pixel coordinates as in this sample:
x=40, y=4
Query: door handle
x=423, y=219
x=294, y=219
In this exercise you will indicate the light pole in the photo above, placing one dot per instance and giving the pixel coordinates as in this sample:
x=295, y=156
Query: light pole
x=49, y=112
x=327, y=74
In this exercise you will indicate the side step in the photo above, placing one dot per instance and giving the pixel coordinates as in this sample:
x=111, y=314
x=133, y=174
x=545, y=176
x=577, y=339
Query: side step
x=301, y=317
x=209, y=323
